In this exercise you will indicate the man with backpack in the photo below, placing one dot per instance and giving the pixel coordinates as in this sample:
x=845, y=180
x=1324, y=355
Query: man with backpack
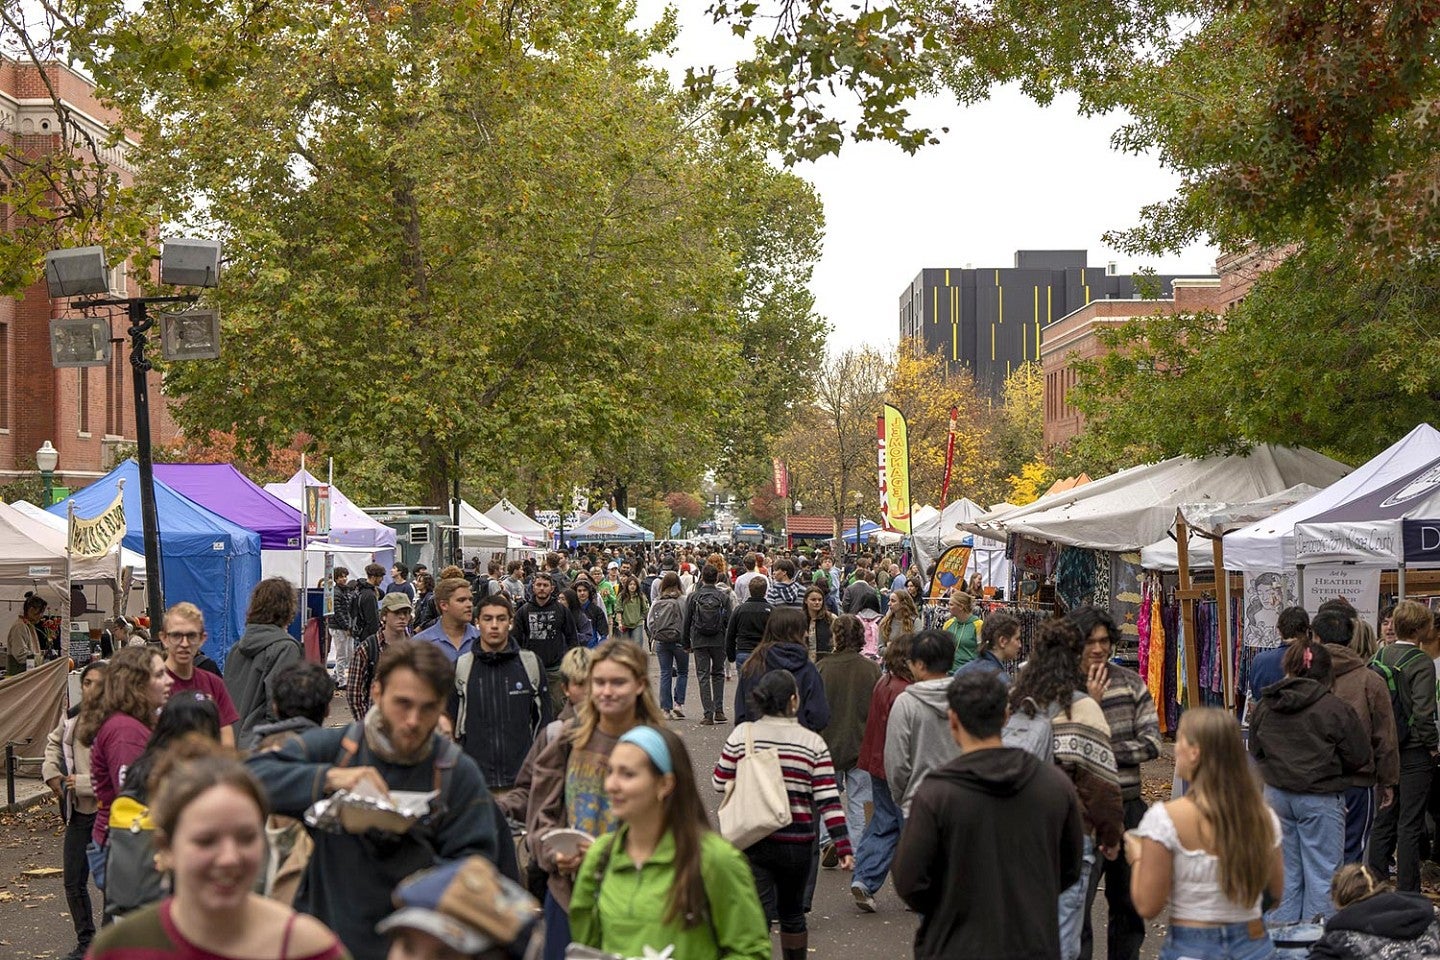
x=500, y=700
x=707, y=614
x=342, y=624
x=1365, y=690
x=544, y=626
x=1400, y=827
x=665, y=627
x=348, y=880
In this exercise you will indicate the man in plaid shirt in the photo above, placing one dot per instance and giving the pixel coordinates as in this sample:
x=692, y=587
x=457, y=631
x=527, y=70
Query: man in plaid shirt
x=1135, y=738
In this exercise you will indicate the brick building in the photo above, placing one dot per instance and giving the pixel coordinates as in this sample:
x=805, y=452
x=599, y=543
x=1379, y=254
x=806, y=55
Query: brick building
x=86, y=413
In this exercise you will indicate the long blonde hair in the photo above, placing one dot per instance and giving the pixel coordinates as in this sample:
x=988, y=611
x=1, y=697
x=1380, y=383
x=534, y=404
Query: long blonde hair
x=904, y=605
x=631, y=656
x=1228, y=796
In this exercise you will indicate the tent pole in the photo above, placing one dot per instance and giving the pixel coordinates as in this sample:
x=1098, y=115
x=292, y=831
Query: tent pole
x=1222, y=597
x=1400, y=582
x=1187, y=611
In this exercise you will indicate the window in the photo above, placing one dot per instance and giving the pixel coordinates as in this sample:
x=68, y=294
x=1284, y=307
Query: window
x=115, y=394
x=84, y=373
x=4, y=376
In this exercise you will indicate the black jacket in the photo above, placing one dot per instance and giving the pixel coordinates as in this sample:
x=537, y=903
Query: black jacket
x=694, y=637
x=814, y=707
x=367, y=609
x=547, y=630
x=746, y=627
x=857, y=592
x=1394, y=926
x=992, y=838
x=1307, y=740
x=503, y=712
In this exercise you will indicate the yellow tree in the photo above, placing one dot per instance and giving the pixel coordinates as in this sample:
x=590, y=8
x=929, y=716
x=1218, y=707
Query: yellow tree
x=919, y=387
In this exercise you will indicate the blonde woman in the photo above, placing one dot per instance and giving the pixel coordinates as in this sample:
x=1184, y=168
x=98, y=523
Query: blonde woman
x=1213, y=853
x=569, y=786
x=901, y=620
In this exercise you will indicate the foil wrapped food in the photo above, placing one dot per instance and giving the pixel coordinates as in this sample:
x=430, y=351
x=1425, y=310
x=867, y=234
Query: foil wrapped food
x=366, y=808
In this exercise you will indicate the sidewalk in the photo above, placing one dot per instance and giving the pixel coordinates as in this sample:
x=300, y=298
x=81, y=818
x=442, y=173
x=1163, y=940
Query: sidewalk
x=28, y=793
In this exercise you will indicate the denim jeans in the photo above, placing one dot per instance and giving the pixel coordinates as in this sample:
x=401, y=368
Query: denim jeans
x=710, y=676
x=1072, y=905
x=855, y=783
x=1400, y=828
x=1359, y=818
x=95, y=857
x=1233, y=941
x=1313, y=843
x=557, y=928
x=674, y=665
x=877, y=844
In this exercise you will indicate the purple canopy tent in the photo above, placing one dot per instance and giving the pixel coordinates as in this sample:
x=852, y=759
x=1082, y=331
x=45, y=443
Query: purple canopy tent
x=222, y=489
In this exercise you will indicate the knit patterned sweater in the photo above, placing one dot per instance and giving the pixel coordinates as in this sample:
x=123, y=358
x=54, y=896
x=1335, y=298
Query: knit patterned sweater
x=1134, y=726
x=809, y=777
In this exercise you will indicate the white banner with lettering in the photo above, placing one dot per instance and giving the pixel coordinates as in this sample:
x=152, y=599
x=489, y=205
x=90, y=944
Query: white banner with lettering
x=1359, y=585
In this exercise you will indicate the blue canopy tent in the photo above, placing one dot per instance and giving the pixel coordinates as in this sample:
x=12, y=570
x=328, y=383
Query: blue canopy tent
x=867, y=528
x=204, y=558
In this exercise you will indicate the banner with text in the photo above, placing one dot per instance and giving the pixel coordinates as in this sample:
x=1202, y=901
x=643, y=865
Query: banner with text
x=97, y=536
x=1359, y=585
x=895, y=470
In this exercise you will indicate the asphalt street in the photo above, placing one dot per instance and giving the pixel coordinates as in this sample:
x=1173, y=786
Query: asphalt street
x=34, y=922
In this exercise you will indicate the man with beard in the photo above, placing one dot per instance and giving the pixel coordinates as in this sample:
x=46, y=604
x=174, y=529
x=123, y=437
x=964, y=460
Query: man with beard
x=544, y=626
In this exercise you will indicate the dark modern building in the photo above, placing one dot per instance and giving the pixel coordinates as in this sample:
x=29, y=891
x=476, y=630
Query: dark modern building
x=990, y=319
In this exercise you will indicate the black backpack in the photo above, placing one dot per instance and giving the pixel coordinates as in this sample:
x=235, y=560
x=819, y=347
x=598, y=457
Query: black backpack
x=710, y=609
x=1395, y=686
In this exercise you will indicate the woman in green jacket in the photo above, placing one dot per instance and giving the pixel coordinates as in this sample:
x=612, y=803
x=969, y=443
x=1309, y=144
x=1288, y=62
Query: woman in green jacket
x=664, y=879
x=630, y=607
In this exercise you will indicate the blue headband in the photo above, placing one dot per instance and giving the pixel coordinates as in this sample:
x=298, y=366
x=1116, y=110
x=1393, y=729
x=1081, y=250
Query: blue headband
x=649, y=740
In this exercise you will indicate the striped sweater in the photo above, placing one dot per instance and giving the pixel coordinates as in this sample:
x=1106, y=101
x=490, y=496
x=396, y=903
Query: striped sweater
x=809, y=777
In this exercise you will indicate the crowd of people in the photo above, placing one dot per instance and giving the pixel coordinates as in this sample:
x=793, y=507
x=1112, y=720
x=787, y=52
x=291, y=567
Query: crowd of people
x=512, y=783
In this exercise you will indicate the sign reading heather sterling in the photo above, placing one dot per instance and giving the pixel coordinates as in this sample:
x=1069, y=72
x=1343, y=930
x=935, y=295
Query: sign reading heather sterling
x=1359, y=585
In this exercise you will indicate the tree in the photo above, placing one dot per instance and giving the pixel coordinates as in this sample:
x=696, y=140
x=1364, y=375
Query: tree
x=1319, y=352
x=831, y=443
x=686, y=506
x=454, y=231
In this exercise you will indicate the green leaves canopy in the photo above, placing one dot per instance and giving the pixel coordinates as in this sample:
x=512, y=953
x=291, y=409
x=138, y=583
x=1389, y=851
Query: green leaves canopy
x=457, y=228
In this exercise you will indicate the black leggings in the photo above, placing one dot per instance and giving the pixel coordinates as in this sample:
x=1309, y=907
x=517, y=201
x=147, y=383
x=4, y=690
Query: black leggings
x=77, y=876
x=780, y=871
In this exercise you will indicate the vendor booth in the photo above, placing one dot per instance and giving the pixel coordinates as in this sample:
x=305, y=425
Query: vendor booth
x=934, y=536
x=100, y=592
x=513, y=520
x=205, y=559
x=350, y=527
x=605, y=525
x=867, y=529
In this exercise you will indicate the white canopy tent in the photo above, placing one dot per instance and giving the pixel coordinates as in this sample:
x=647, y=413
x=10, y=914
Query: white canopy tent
x=1211, y=520
x=1392, y=526
x=1269, y=544
x=512, y=519
x=945, y=530
x=33, y=556
x=353, y=532
x=922, y=516
x=1134, y=508
x=131, y=564
x=478, y=532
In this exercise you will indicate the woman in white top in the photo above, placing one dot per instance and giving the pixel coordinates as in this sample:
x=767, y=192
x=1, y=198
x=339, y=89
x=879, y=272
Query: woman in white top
x=1214, y=853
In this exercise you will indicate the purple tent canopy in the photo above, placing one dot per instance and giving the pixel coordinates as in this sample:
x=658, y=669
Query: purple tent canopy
x=221, y=488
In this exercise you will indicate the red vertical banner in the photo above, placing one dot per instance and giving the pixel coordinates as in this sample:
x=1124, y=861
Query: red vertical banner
x=782, y=477
x=880, y=467
x=949, y=456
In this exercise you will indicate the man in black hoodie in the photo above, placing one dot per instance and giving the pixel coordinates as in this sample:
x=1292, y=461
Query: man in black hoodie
x=992, y=838
x=747, y=623
x=544, y=626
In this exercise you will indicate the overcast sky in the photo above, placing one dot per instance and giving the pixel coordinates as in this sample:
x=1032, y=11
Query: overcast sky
x=1009, y=175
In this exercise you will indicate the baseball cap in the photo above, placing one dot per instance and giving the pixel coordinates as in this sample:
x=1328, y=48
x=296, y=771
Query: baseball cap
x=614, y=565
x=467, y=905
x=396, y=601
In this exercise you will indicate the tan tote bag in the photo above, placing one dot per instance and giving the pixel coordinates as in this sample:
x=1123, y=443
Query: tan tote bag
x=755, y=803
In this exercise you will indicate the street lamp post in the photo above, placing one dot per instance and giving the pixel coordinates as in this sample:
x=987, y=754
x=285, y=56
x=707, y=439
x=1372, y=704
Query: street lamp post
x=857, y=496
x=47, y=458
x=186, y=336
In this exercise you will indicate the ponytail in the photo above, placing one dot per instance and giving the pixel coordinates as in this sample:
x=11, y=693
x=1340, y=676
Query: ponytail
x=1308, y=659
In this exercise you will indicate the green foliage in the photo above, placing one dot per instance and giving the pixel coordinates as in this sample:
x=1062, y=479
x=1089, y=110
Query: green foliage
x=462, y=229
x=1321, y=352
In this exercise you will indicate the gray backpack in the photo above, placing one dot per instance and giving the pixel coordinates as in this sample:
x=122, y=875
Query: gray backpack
x=1035, y=735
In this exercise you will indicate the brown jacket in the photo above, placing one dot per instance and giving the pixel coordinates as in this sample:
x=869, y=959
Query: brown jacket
x=1364, y=692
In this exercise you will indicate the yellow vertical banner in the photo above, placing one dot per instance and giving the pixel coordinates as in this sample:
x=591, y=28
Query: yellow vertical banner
x=897, y=470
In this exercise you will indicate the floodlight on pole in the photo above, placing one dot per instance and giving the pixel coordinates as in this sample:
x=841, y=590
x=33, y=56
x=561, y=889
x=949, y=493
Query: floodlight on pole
x=191, y=335
x=76, y=272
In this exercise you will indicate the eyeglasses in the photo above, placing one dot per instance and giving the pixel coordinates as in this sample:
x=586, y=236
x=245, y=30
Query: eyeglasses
x=183, y=636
